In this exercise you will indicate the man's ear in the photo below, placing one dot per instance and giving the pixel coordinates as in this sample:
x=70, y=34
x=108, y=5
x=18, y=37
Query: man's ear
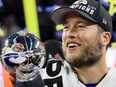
x=105, y=38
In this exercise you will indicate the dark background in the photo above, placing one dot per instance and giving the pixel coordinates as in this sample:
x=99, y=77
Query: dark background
x=11, y=14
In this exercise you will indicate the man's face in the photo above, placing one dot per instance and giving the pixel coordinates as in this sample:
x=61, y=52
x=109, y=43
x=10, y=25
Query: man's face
x=81, y=42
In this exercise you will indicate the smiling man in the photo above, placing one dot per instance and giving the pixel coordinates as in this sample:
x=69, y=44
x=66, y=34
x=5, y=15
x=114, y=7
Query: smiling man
x=86, y=35
x=81, y=41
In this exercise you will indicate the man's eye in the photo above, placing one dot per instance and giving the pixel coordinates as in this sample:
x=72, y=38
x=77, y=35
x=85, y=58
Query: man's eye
x=80, y=26
x=65, y=27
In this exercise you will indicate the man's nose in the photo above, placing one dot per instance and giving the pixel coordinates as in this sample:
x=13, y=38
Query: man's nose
x=72, y=32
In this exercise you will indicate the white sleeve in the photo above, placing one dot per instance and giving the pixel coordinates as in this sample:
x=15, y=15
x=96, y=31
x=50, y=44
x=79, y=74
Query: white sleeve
x=1, y=76
x=1, y=82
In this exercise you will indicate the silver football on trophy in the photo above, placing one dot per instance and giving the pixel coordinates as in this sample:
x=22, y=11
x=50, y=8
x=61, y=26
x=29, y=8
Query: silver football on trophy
x=25, y=53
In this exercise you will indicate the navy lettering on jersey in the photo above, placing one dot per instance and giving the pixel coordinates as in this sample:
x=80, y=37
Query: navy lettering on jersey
x=57, y=82
x=50, y=70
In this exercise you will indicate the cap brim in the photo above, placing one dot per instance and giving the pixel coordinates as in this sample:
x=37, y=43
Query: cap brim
x=58, y=16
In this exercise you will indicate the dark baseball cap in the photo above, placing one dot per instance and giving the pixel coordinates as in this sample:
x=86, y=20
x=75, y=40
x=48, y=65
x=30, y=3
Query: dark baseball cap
x=90, y=9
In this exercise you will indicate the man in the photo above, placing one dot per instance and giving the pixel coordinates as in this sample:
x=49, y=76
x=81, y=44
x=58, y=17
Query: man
x=86, y=35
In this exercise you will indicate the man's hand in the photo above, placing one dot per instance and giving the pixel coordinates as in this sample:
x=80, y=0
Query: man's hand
x=13, y=78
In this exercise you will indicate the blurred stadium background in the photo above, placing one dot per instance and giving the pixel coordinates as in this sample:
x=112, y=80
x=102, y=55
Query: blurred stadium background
x=34, y=16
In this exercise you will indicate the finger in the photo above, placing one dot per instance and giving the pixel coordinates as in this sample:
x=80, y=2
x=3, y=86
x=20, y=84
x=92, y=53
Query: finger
x=12, y=79
x=13, y=85
x=12, y=74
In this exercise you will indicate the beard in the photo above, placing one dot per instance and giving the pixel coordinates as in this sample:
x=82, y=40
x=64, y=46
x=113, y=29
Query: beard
x=90, y=55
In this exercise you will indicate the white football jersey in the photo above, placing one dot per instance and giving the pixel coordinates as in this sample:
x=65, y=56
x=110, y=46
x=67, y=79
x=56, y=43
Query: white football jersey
x=59, y=73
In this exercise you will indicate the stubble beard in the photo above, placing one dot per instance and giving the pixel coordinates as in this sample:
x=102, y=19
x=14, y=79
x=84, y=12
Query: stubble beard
x=89, y=56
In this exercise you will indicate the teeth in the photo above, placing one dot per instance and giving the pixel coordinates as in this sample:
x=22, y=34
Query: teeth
x=72, y=45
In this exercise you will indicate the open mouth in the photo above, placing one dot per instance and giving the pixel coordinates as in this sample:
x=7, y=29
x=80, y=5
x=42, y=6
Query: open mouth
x=73, y=44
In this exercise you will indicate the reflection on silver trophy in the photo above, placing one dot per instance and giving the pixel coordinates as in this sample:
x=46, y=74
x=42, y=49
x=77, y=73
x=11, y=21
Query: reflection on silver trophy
x=25, y=53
